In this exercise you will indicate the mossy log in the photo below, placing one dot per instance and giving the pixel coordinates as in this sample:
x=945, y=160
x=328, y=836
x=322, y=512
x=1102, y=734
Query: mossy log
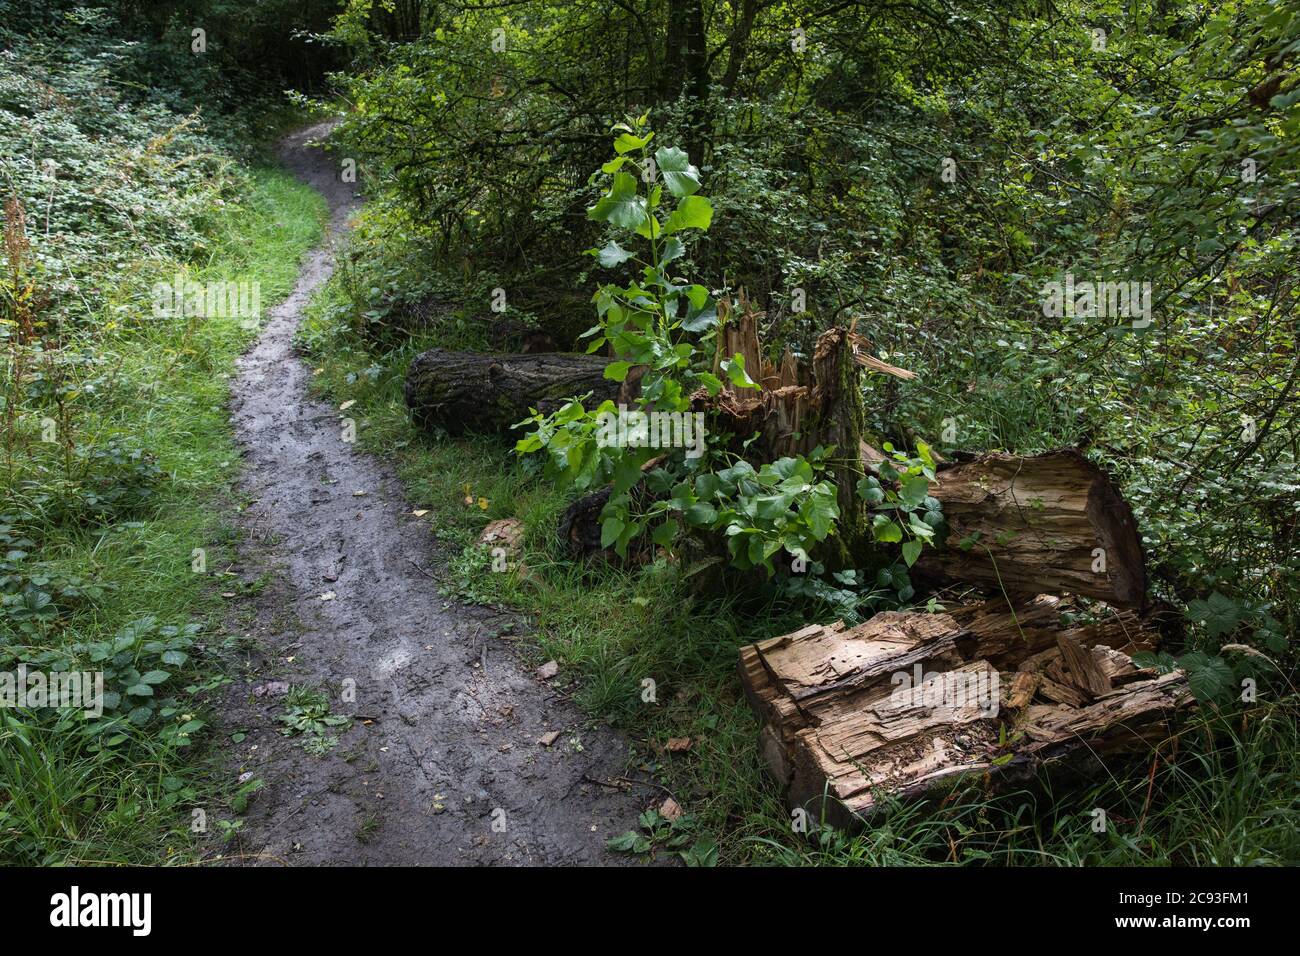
x=472, y=392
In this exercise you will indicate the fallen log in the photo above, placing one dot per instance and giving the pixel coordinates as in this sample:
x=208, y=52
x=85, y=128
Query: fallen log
x=909, y=702
x=472, y=392
x=1044, y=523
x=1019, y=525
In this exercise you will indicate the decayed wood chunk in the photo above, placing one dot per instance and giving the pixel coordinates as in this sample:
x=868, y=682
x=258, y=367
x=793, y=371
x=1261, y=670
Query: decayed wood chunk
x=910, y=700
x=1044, y=523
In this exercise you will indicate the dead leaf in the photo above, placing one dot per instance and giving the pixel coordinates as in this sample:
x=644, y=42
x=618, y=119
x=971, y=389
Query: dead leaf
x=348, y=404
x=549, y=738
x=548, y=670
x=420, y=512
x=670, y=809
x=678, y=745
x=505, y=533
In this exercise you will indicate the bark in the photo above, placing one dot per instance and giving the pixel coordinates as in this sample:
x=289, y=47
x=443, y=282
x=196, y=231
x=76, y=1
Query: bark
x=840, y=728
x=739, y=43
x=470, y=392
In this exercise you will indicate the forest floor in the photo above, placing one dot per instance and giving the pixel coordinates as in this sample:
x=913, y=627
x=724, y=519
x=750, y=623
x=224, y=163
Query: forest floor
x=388, y=724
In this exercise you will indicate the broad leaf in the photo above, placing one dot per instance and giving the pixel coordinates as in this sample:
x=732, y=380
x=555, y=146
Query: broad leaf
x=693, y=212
x=621, y=205
x=681, y=178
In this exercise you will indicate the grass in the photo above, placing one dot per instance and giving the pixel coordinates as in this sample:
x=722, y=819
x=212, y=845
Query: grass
x=61, y=802
x=1221, y=793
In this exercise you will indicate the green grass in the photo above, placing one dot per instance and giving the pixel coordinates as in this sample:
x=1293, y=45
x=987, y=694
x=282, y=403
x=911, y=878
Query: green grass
x=132, y=803
x=1218, y=797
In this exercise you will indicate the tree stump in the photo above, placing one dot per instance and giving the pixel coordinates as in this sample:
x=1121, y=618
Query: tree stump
x=909, y=701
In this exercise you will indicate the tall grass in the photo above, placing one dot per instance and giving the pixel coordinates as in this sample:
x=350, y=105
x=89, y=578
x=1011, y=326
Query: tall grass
x=60, y=800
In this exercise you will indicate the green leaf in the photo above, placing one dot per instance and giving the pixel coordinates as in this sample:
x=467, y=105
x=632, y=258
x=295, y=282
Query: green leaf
x=1210, y=678
x=711, y=382
x=665, y=534
x=703, y=853
x=869, y=490
x=610, y=529
x=626, y=843
x=735, y=369
x=626, y=142
x=1163, y=662
x=914, y=491
x=681, y=178
x=911, y=551
x=621, y=205
x=617, y=371
x=701, y=514
x=692, y=212
x=673, y=249
x=1219, y=614
x=820, y=510
x=613, y=255
x=883, y=529
x=649, y=228
x=702, y=311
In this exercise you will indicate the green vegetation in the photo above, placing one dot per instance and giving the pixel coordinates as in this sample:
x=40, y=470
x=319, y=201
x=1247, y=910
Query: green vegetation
x=117, y=449
x=1075, y=221
x=927, y=172
x=1226, y=799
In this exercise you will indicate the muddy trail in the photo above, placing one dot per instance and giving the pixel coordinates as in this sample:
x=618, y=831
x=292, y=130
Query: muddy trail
x=442, y=762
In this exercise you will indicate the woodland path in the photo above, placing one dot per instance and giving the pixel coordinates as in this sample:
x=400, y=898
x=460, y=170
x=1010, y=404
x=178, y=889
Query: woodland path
x=442, y=763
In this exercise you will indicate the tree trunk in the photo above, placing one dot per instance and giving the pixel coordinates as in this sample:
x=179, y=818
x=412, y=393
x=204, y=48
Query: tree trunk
x=1051, y=523
x=470, y=392
x=910, y=701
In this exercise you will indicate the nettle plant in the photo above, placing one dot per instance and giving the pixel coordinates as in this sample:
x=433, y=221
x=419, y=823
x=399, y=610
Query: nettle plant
x=667, y=325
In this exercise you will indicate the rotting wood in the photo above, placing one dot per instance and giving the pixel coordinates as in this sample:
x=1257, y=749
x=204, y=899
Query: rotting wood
x=1043, y=523
x=907, y=701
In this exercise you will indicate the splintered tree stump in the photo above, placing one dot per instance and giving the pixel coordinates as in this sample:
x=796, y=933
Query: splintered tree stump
x=471, y=392
x=909, y=702
x=1052, y=523
x=799, y=409
x=1018, y=525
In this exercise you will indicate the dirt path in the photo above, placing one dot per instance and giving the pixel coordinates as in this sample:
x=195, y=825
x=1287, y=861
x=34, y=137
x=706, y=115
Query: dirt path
x=442, y=763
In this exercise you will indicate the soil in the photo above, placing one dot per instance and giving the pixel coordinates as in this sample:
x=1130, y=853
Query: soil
x=441, y=763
